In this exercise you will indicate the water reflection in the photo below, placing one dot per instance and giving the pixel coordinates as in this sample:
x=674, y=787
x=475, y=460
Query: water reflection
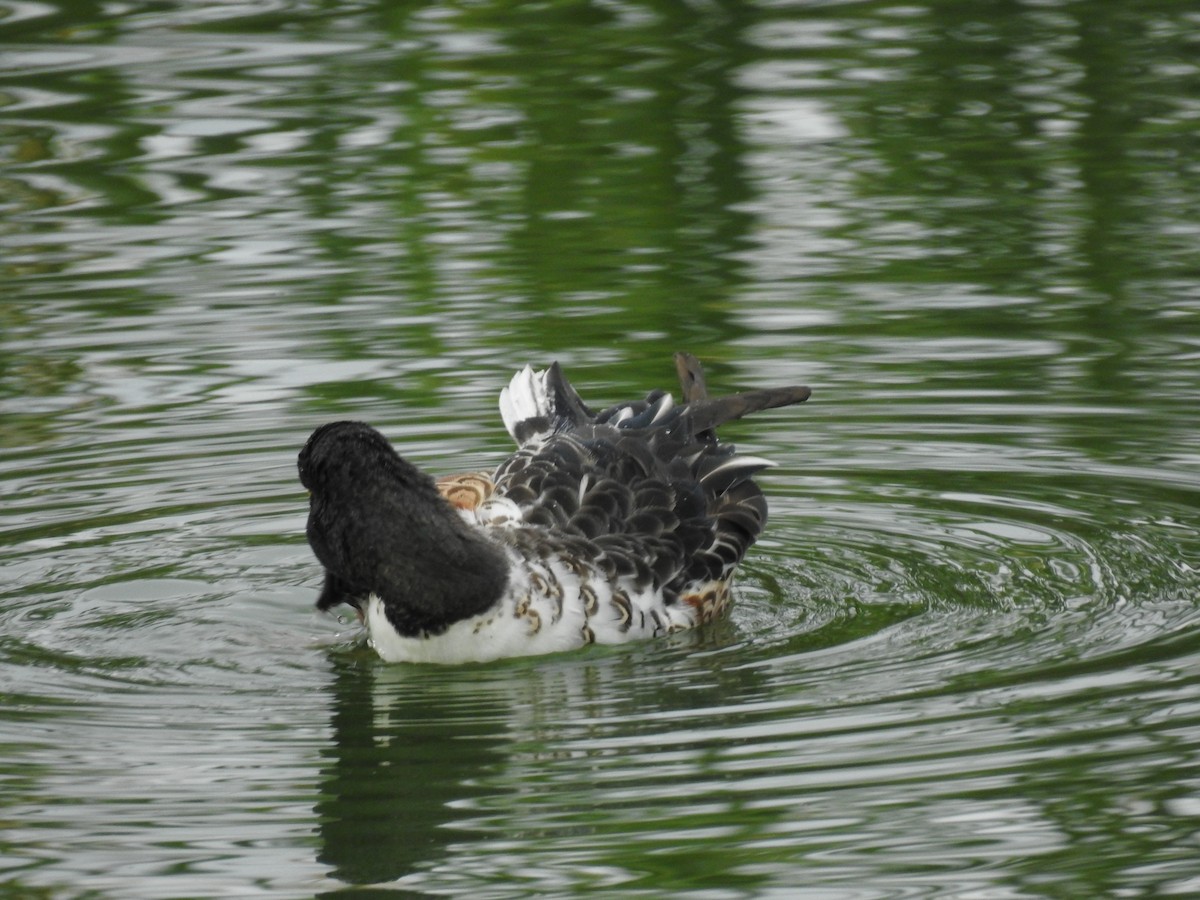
x=527, y=772
x=458, y=158
x=404, y=758
x=964, y=656
x=812, y=164
x=868, y=748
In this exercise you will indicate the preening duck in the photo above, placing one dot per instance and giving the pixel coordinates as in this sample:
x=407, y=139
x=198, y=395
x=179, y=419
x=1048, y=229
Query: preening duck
x=602, y=527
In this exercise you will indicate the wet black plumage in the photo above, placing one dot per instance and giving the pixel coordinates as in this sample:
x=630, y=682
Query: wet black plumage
x=378, y=525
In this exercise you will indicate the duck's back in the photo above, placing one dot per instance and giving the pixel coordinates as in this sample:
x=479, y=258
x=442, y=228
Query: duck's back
x=641, y=492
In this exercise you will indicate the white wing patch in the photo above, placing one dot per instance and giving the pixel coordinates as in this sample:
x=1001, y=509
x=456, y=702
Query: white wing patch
x=665, y=404
x=735, y=463
x=524, y=398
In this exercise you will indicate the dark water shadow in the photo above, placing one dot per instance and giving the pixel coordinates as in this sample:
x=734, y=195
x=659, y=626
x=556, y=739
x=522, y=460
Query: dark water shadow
x=399, y=766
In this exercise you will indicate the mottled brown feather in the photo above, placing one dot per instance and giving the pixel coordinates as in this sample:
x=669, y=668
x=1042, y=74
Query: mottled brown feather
x=466, y=490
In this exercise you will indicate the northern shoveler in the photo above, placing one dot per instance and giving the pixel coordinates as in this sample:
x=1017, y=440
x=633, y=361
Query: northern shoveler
x=602, y=527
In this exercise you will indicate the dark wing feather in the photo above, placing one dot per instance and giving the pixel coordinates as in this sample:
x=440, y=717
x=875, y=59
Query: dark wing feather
x=644, y=485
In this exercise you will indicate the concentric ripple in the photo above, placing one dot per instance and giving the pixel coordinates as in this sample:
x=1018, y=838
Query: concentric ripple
x=960, y=678
x=963, y=661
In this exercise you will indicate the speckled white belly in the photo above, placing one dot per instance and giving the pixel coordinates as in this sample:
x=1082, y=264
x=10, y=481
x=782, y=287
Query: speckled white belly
x=549, y=607
x=495, y=634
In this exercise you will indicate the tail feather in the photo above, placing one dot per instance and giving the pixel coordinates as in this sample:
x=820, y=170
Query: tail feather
x=539, y=403
x=567, y=406
x=706, y=415
x=694, y=388
x=519, y=400
x=691, y=377
x=724, y=473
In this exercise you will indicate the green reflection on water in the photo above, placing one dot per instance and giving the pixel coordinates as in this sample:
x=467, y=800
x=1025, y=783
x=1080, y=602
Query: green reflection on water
x=964, y=658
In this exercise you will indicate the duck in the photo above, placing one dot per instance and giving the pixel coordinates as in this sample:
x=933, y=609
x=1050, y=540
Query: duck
x=602, y=527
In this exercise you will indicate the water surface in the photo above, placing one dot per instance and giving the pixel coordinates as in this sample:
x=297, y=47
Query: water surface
x=964, y=660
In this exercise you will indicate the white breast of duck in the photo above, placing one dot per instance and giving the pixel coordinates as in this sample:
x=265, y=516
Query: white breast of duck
x=549, y=605
x=602, y=528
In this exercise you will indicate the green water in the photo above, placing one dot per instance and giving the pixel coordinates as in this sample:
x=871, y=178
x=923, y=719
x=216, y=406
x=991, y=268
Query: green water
x=965, y=660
